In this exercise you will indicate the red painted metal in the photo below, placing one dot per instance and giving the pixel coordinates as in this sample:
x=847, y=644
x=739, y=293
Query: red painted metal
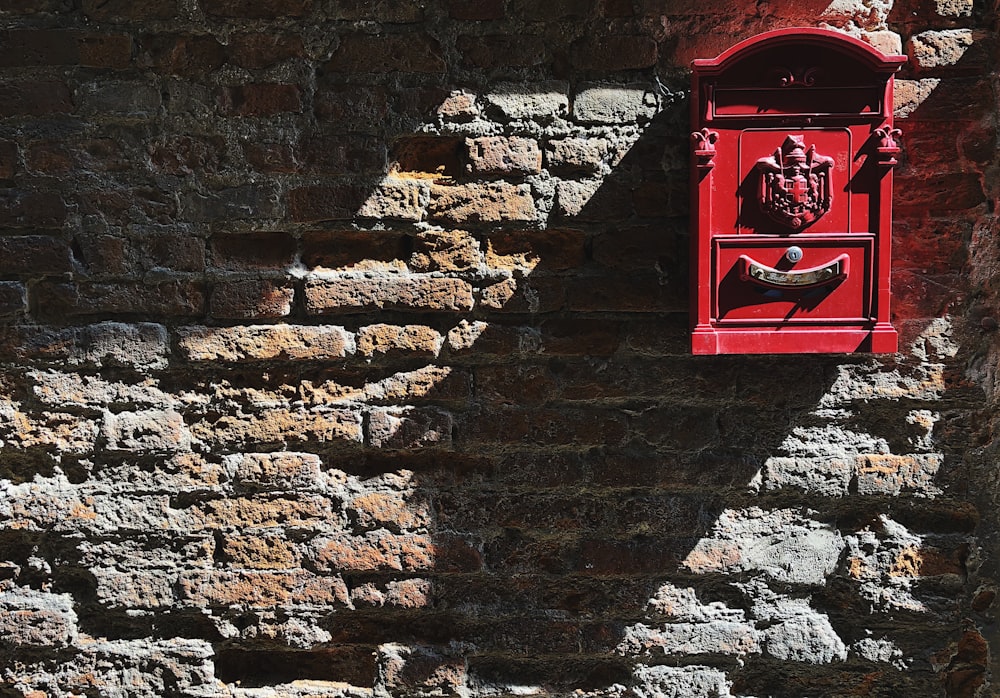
x=793, y=147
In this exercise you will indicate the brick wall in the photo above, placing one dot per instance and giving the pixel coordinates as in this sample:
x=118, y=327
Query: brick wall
x=344, y=353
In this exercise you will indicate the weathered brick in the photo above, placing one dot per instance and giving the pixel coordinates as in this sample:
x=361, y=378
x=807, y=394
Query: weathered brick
x=121, y=98
x=59, y=157
x=399, y=198
x=259, y=552
x=13, y=298
x=238, y=203
x=394, y=11
x=180, y=54
x=179, y=252
x=542, y=426
x=34, y=619
x=549, y=11
x=35, y=98
x=169, y=298
x=42, y=47
x=158, y=431
x=341, y=154
x=260, y=99
x=527, y=295
x=536, y=251
x=500, y=155
x=325, y=202
x=492, y=202
x=944, y=192
x=186, y=154
x=251, y=251
x=347, y=249
x=594, y=199
x=417, y=669
x=104, y=255
x=476, y=10
x=613, y=104
x=377, y=550
x=502, y=50
x=279, y=426
x=259, y=589
x=265, y=343
x=354, y=294
x=270, y=157
x=409, y=428
x=121, y=11
x=893, y=474
x=352, y=107
x=262, y=50
x=247, y=299
x=610, y=53
x=257, y=9
x=8, y=159
x=283, y=470
x=577, y=154
x=949, y=49
x=445, y=251
x=140, y=345
x=540, y=101
x=34, y=255
x=409, y=53
x=396, y=340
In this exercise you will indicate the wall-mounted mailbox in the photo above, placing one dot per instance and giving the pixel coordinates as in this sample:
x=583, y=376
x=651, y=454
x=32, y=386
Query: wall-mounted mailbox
x=793, y=151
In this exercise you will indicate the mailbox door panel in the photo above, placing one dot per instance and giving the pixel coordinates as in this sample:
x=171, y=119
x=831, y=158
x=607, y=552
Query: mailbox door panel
x=757, y=284
x=795, y=180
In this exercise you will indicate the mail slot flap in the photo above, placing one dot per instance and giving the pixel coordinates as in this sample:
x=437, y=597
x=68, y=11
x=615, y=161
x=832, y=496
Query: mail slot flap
x=815, y=102
x=829, y=279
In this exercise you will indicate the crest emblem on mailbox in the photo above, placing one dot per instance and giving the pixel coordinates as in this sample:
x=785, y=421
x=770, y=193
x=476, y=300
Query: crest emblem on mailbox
x=794, y=184
x=793, y=147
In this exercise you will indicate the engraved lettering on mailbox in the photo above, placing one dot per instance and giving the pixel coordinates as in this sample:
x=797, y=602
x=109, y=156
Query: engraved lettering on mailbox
x=795, y=187
x=831, y=271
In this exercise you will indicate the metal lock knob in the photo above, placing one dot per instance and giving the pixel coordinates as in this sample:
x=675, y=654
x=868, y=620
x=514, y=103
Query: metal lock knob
x=793, y=254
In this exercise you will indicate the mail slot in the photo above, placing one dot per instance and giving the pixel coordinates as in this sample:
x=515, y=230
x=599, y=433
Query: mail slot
x=793, y=148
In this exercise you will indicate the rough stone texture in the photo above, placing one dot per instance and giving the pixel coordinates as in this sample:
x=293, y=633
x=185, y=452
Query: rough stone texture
x=343, y=353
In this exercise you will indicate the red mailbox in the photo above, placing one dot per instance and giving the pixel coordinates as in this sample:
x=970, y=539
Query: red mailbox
x=791, y=213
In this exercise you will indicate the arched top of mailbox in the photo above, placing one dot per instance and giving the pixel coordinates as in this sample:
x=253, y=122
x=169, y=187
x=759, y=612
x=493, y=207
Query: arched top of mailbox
x=799, y=40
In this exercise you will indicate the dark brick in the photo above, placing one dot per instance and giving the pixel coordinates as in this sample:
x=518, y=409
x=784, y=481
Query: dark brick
x=325, y=202
x=31, y=208
x=32, y=255
x=239, y=203
x=250, y=299
x=13, y=298
x=260, y=99
x=180, y=54
x=60, y=157
x=35, y=98
x=270, y=157
x=352, y=107
x=8, y=159
x=57, y=301
x=644, y=248
x=119, y=11
x=235, y=252
x=392, y=11
x=185, y=154
x=178, y=252
x=264, y=49
x=636, y=293
x=342, y=154
x=409, y=53
x=105, y=255
x=947, y=192
x=135, y=99
x=439, y=155
x=520, y=51
x=615, y=53
x=532, y=11
x=476, y=10
x=257, y=9
x=42, y=47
